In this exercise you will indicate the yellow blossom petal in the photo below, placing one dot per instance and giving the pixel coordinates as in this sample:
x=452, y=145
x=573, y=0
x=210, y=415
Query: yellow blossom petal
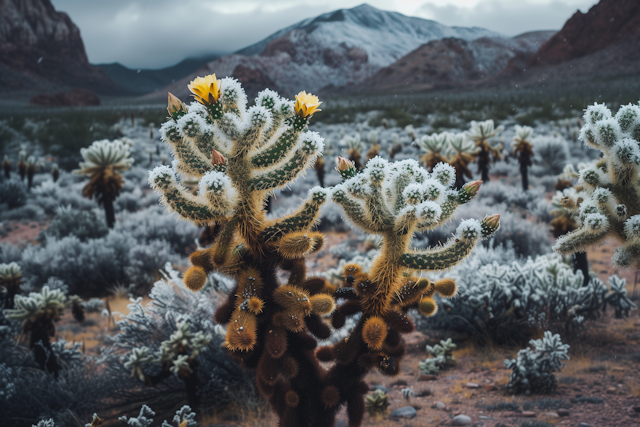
x=306, y=104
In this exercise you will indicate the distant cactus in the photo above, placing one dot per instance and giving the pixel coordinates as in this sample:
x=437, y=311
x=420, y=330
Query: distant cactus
x=441, y=358
x=38, y=312
x=436, y=147
x=10, y=280
x=610, y=205
x=55, y=172
x=241, y=155
x=377, y=403
x=319, y=168
x=354, y=149
x=31, y=171
x=22, y=165
x=396, y=146
x=6, y=166
x=464, y=153
x=482, y=133
x=523, y=150
x=77, y=309
x=103, y=162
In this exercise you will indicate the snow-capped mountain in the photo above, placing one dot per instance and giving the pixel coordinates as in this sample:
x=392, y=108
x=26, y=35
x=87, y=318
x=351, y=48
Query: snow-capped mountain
x=333, y=50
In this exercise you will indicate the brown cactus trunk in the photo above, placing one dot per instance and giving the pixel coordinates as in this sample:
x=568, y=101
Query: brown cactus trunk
x=109, y=212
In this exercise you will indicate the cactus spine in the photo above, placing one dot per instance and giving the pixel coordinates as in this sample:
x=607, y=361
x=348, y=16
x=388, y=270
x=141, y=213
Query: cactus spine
x=608, y=204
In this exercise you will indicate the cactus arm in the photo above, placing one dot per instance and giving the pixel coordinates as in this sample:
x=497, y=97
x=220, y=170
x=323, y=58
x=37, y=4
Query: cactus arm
x=302, y=219
x=274, y=153
x=579, y=240
x=441, y=259
x=355, y=212
x=176, y=197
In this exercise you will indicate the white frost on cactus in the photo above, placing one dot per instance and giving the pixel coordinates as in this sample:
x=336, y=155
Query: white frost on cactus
x=632, y=227
x=259, y=116
x=105, y=153
x=607, y=132
x=445, y=174
x=216, y=182
x=626, y=151
x=268, y=96
x=429, y=210
x=161, y=176
x=317, y=192
x=469, y=229
x=413, y=194
x=191, y=124
x=596, y=222
x=232, y=92
x=596, y=113
x=433, y=190
x=312, y=142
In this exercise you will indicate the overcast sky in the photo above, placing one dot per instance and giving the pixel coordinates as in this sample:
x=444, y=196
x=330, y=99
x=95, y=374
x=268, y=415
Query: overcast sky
x=158, y=33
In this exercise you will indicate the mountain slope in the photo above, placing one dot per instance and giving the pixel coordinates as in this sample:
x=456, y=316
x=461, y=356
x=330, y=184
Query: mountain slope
x=605, y=24
x=41, y=49
x=454, y=62
x=333, y=50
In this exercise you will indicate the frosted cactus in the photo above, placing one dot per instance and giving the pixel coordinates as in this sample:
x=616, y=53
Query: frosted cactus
x=442, y=358
x=10, y=280
x=436, y=146
x=532, y=370
x=22, y=165
x=609, y=204
x=463, y=152
x=6, y=167
x=103, y=162
x=618, y=297
x=523, y=150
x=482, y=133
x=354, y=148
x=38, y=312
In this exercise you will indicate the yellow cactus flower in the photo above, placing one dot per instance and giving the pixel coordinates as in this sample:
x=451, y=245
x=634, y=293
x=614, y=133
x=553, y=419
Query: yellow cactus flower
x=306, y=104
x=206, y=90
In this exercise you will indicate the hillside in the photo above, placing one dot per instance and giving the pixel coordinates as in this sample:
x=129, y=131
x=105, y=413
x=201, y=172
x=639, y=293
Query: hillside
x=330, y=51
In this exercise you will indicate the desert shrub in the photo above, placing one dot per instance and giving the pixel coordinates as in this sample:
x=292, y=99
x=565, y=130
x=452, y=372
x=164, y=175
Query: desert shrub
x=13, y=194
x=184, y=417
x=551, y=155
x=495, y=193
x=149, y=331
x=9, y=253
x=48, y=196
x=507, y=302
x=82, y=224
x=532, y=370
x=442, y=358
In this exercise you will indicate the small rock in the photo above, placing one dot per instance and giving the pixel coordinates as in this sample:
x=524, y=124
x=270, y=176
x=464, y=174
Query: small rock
x=612, y=390
x=381, y=388
x=425, y=377
x=472, y=385
x=584, y=425
x=636, y=409
x=489, y=387
x=482, y=417
x=407, y=412
x=441, y=405
x=341, y=423
x=461, y=420
x=551, y=415
x=563, y=412
x=528, y=414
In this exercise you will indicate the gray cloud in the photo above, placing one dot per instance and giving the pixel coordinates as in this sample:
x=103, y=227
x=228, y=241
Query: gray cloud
x=509, y=17
x=158, y=33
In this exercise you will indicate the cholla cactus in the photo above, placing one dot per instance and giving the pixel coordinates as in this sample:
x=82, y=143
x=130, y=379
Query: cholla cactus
x=184, y=417
x=55, y=172
x=22, y=165
x=6, y=166
x=103, y=162
x=618, y=297
x=31, y=171
x=611, y=186
x=532, y=371
x=319, y=168
x=396, y=146
x=394, y=201
x=523, y=150
x=436, y=147
x=77, y=309
x=177, y=356
x=481, y=133
x=37, y=312
x=377, y=403
x=10, y=280
x=354, y=147
x=442, y=358
x=463, y=153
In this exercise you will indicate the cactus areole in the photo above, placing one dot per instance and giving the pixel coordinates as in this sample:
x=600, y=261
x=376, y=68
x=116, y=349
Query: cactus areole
x=272, y=327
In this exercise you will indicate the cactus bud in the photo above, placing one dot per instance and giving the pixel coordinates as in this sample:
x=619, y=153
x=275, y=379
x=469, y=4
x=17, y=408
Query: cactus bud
x=346, y=168
x=175, y=107
x=469, y=191
x=217, y=158
x=490, y=225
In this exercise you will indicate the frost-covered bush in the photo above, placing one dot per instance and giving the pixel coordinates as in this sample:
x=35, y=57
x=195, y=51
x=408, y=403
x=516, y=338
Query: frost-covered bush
x=69, y=221
x=495, y=193
x=184, y=417
x=441, y=358
x=94, y=305
x=532, y=370
x=503, y=302
x=13, y=194
x=172, y=334
x=551, y=155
